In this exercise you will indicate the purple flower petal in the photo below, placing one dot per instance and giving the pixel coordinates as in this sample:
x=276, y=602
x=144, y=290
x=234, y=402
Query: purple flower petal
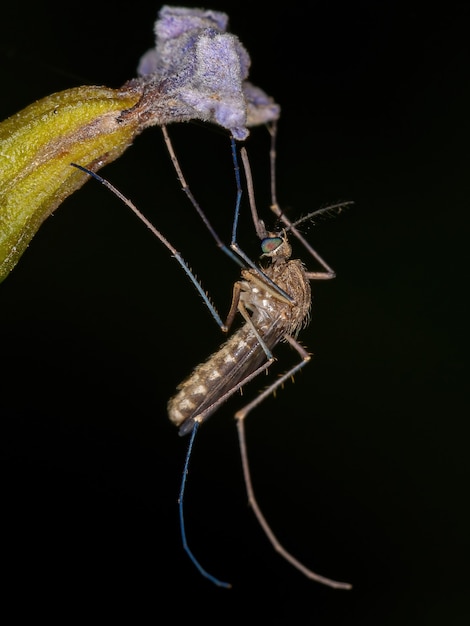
x=203, y=70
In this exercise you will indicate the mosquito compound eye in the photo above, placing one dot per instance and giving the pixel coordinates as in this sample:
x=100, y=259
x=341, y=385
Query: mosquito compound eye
x=270, y=244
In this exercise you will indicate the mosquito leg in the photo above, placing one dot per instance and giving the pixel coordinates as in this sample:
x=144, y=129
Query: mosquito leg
x=272, y=128
x=259, y=224
x=240, y=417
x=234, y=307
x=267, y=529
x=237, y=306
x=192, y=199
x=329, y=272
x=243, y=412
x=159, y=236
x=244, y=313
x=186, y=547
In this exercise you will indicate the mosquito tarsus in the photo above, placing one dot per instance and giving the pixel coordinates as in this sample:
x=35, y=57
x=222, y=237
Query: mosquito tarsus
x=274, y=299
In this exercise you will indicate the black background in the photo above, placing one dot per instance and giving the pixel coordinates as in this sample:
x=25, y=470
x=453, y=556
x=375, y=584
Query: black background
x=361, y=464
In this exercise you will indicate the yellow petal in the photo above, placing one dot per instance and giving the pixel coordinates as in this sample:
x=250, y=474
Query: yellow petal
x=37, y=145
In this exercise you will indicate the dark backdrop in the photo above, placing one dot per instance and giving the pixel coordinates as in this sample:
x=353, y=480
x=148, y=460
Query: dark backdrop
x=360, y=465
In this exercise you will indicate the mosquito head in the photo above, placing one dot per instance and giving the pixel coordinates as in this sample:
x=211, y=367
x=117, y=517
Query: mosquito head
x=276, y=247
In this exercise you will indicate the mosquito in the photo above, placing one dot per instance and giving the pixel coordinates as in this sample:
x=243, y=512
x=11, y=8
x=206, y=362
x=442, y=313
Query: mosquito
x=274, y=300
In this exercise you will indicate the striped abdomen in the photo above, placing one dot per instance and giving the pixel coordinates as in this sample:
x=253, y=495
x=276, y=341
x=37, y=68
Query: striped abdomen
x=238, y=357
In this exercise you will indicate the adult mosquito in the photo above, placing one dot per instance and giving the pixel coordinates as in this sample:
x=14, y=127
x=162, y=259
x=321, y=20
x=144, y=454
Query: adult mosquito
x=274, y=299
